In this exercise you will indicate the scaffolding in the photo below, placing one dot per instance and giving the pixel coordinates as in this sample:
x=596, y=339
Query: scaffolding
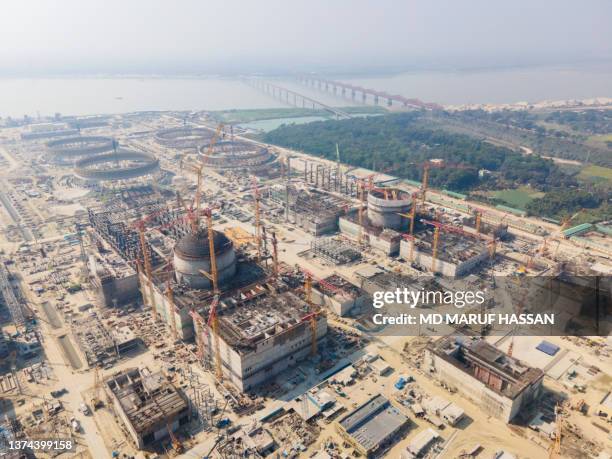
x=335, y=251
x=329, y=178
x=202, y=402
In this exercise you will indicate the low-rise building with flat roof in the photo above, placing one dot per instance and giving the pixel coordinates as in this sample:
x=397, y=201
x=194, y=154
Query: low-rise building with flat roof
x=501, y=385
x=373, y=426
x=147, y=404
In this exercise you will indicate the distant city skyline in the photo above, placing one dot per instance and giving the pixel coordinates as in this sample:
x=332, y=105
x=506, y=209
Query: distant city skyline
x=353, y=36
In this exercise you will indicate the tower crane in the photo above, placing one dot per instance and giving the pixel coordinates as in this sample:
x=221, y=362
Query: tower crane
x=198, y=322
x=361, y=190
x=567, y=220
x=144, y=250
x=140, y=226
x=213, y=324
x=170, y=296
x=314, y=312
x=555, y=448
x=410, y=237
x=213, y=276
x=257, y=216
x=275, y=254
x=96, y=402
x=198, y=170
x=436, y=238
x=201, y=332
x=312, y=315
x=519, y=310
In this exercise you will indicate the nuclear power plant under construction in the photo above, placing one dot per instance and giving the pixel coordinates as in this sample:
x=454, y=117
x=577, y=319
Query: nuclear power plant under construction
x=214, y=295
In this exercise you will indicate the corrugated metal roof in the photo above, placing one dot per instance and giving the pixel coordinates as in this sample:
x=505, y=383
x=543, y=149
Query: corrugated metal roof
x=574, y=230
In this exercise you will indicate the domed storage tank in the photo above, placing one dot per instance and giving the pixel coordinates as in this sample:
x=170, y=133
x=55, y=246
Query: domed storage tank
x=192, y=254
x=385, y=205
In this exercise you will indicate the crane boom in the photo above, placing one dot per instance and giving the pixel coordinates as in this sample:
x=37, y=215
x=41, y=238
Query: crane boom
x=147, y=266
x=213, y=323
x=213, y=256
x=257, y=216
x=198, y=171
x=170, y=295
x=313, y=314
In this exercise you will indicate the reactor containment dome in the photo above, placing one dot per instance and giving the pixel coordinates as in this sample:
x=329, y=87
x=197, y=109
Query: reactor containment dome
x=385, y=206
x=192, y=255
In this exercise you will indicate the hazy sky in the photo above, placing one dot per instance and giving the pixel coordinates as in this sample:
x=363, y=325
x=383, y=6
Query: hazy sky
x=184, y=36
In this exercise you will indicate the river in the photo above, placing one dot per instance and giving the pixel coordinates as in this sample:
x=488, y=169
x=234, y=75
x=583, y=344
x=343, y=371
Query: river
x=83, y=96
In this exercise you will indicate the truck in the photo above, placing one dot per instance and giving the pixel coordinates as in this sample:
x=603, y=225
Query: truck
x=83, y=408
x=222, y=423
x=76, y=425
x=402, y=381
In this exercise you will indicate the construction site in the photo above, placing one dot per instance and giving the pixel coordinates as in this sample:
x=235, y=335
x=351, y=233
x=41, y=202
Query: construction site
x=227, y=312
x=233, y=155
x=316, y=212
x=380, y=222
x=184, y=138
x=453, y=253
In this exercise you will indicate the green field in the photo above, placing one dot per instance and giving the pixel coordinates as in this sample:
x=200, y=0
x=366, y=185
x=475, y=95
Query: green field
x=600, y=141
x=596, y=172
x=518, y=197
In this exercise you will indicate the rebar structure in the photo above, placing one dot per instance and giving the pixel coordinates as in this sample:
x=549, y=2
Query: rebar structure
x=334, y=251
x=202, y=402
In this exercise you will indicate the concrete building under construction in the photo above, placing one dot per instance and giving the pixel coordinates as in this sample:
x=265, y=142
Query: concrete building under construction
x=262, y=331
x=261, y=326
x=315, y=211
x=456, y=254
x=111, y=265
x=501, y=385
x=147, y=404
x=382, y=224
x=339, y=295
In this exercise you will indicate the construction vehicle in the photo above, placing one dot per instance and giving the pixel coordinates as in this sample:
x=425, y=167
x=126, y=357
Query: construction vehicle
x=176, y=444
